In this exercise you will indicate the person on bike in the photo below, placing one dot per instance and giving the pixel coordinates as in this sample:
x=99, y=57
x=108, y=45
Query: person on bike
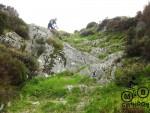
x=52, y=24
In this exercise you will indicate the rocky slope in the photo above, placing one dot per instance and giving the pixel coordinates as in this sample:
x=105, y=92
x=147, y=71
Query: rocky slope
x=68, y=58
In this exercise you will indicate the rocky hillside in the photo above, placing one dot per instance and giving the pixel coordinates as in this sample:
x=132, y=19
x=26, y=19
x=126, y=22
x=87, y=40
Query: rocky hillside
x=53, y=71
x=54, y=54
x=52, y=59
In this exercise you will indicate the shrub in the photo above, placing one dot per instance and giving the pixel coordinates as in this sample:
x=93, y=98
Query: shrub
x=12, y=71
x=41, y=50
x=13, y=23
x=117, y=24
x=129, y=74
x=121, y=24
x=102, y=24
x=19, y=26
x=56, y=43
x=87, y=32
x=146, y=70
x=9, y=10
x=128, y=23
x=29, y=61
x=65, y=73
x=138, y=38
x=91, y=25
x=146, y=14
x=3, y=20
x=138, y=43
x=64, y=34
x=139, y=15
x=133, y=44
x=146, y=47
x=40, y=41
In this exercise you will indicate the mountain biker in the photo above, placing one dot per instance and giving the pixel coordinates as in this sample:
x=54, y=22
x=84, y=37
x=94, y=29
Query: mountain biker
x=52, y=24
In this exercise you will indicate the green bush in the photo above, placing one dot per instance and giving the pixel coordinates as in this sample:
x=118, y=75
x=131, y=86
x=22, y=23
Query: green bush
x=3, y=21
x=87, y=32
x=12, y=71
x=29, y=61
x=138, y=44
x=129, y=75
x=41, y=50
x=134, y=43
x=19, y=26
x=146, y=70
x=102, y=24
x=146, y=47
x=40, y=41
x=53, y=107
x=146, y=14
x=138, y=41
x=56, y=43
x=13, y=23
x=91, y=25
x=65, y=73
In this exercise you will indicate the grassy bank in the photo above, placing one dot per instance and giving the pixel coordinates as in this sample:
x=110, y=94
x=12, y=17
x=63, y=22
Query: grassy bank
x=70, y=93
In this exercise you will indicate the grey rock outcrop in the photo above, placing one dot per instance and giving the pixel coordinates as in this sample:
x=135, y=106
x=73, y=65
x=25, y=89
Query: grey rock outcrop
x=75, y=58
x=103, y=71
x=97, y=51
x=11, y=39
x=69, y=58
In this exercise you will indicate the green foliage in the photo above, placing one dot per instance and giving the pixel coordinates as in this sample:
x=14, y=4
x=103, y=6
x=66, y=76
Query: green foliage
x=146, y=70
x=102, y=56
x=65, y=73
x=29, y=61
x=56, y=43
x=91, y=25
x=63, y=34
x=113, y=41
x=138, y=44
x=87, y=32
x=12, y=71
x=138, y=38
x=131, y=46
x=40, y=41
x=19, y=26
x=41, y=50
x=102, y=24
x=53, y=95
x=130, y=74
x=3, y=20
x=23, y=47
x=13, y=23
x=146, y=47
x=117, y=24
x=52, y=107
x=146, y=15
x=101, y=100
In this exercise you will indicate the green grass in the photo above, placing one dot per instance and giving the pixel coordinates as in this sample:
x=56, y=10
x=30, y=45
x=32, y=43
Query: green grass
x=102, y=56
x=113, y=41
x=56, y=42
x=51, y=95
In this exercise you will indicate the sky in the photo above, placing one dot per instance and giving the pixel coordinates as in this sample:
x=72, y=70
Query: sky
x=73, y=14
